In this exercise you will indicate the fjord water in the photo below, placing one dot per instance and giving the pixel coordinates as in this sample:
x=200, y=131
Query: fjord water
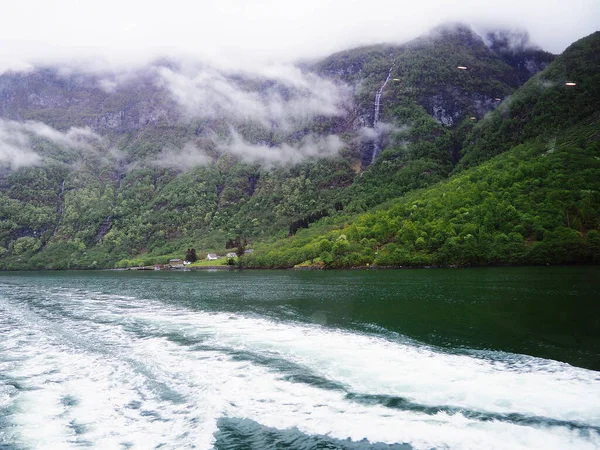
x=502, y=358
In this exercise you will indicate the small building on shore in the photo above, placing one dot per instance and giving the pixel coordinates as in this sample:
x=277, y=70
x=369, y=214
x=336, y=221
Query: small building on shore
x=212, y=257
x=176, y=263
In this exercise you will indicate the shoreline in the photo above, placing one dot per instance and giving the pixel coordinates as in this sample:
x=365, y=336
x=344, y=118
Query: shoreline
x=302, y=268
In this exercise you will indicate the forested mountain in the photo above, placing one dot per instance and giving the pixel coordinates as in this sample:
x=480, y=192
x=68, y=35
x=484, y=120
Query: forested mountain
x=100, y=169
x=537, y=202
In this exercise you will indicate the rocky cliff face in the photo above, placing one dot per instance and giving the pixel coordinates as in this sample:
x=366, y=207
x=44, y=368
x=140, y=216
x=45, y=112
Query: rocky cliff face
x=64, y=100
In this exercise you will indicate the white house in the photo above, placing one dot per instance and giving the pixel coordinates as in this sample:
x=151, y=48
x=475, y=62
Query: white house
x=212, y=256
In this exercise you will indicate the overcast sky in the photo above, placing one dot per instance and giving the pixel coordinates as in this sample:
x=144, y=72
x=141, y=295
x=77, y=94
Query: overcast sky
x=133, y=31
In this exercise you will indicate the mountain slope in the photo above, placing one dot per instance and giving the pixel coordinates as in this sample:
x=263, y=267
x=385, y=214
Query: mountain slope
x=427, y=107
x=172, y=157
x=530, y=205
x=537, y=203
x=545, y=106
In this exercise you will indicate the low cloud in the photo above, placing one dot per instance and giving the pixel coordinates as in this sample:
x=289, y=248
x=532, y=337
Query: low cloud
x=191, y=155
x=311, y=146
x=509, y=40
x=379, y=136
x=17, y=149
x=107, y=85
x=368, y=134
x=75, y=137
x=16, y=66
x=183, y=159
x=276, y=96
x=546, y=84
x=110, y=81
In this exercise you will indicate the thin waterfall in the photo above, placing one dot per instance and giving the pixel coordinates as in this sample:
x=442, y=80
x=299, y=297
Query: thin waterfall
x=377, y=141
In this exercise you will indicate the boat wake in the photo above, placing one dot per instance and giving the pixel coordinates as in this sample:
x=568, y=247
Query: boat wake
x=82, y=368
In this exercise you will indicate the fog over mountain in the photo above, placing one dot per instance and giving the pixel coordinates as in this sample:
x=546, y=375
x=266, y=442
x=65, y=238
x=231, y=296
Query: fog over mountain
x=237, y=61
x=209, y=94
x=114, y=34
x=16, y=149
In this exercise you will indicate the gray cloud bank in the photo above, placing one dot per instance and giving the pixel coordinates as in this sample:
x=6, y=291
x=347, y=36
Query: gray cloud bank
x=268, y=156
x=241, y=32
x=311, y=146
x=278, y=100
x=276, y=96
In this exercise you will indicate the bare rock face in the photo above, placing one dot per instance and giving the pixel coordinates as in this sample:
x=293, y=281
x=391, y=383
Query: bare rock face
x=110, y=120
x=65, y=100
x=443, y=111
x=450, y=107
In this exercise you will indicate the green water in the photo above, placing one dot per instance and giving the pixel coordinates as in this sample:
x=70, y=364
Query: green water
x=551, y=312
x=440, y=358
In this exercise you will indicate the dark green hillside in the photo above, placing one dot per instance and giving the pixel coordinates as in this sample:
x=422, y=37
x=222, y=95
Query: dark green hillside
x=103, y=216
x=538, y=203
x=532, y=205
x=430, y=104
x=544, y=107
x=514, y=48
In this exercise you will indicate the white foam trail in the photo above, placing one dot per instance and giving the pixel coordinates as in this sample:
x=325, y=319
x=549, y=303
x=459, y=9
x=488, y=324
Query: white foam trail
x=114, y=360
x=372, y=365
x=116, y=397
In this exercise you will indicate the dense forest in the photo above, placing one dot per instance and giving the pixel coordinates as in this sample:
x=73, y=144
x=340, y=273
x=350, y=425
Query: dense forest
x=497, y=163
x=537, y=202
